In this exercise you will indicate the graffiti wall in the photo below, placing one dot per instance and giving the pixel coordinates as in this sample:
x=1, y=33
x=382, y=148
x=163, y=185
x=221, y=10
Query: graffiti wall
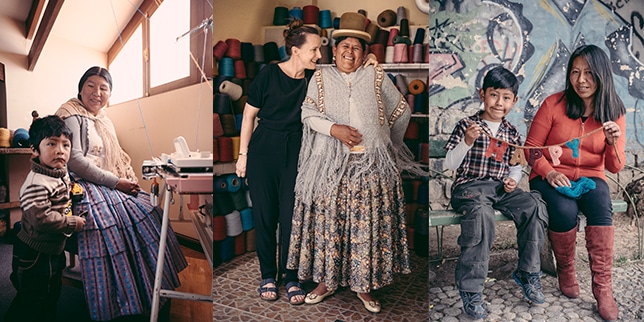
x=532, y=38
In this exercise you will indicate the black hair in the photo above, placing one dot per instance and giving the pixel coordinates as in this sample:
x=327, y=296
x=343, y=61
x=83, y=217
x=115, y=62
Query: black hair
x=607, y=104
x=501, y=77
x=363, y=43
x=94, y=71
x=295, y=35
x=45, y=127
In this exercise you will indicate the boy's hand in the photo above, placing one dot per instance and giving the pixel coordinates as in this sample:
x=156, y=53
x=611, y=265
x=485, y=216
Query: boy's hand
x=472, y=133
x=80, y=223
x=509, y=184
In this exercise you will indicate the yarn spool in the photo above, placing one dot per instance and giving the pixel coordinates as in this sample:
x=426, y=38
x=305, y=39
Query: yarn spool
x=280, y=16
x=421, y=103
x=220, y=185
x=419, y=38
x=233, y=183
x=379, y=51
x=250, y=240
x=423, y=153
x=235, y=139
x=410, y=101
x=398, y=39
x=239, y=200
x=20, y=138
x=324, y=41
x=233, y=224
x=247, y=219
x=223, y=204
x=310, y=14
x=296, y=13
x=426, y=51
x=218, y=228
x=336, y=23
x=416, y=86
x=225, y=149
x=325, y=52
x=324, y=19
x=423, y=190
x=389, y=54
x=393, y=32
x=247, y=52
x=412, y=132
x=282, y=52
x=234, y=48
x=227, y=248
x=400, y=53
x=217, y=82
x=238, y=106
x=222, y=103
x=231, y=89
x=387, y=18
x=404, y=28
x=258, y=54
x=217, y=130
x=252, y=67
x=5, y=138
x=382, y=37
x=401, y=13
x=362, y=12
x=373, y=29
x=226, y=67
x=401, y=83
x=416, y=184
x=220, y=50
x=417, y=53
x=271, y=53
x=215, y=150
x=240, y=244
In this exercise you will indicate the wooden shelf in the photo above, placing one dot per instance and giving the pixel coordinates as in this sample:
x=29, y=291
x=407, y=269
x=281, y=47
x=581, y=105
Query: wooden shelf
x=9, y=205
x=224, y=168
x=15, y=151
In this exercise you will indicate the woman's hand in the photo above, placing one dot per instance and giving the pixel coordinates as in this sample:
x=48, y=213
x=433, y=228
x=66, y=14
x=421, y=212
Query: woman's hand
x=370, y=60
x=472, y=133
x=346, y=134
x=128, y=186
x=509, y=184
x=557, y=179
x=612, y=132
x=240, y=166
x=80, y=223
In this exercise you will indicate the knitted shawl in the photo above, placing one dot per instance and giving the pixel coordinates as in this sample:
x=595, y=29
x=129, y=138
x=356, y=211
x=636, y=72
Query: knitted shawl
x=116, y=160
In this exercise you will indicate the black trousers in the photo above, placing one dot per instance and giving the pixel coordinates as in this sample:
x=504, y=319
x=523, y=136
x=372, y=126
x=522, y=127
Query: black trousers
x=271, y=170
x=37, y=278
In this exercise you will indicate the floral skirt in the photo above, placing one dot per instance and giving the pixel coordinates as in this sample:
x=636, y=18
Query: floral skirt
x=356, y=236
x=118, y=250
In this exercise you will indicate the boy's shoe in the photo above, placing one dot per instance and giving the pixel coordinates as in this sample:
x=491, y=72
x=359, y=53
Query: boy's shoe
x=473, y=304
x=531, y=285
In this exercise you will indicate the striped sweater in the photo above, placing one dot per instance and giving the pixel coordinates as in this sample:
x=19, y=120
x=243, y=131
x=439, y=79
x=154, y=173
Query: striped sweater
x=44, y=199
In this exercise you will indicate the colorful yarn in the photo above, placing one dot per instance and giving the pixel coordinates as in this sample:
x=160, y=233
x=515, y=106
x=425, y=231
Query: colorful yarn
x=227, y=249
x=220, y=50
x=234, y=48
x=400, y=53
x=421, y=104
x=247, y=219
x=259, y=53
x=240, y=244
x=379, y=51
x=215, y=150
x=310, y=14
x=389, y=54
x=280, y=16
x=20, y=138
x=404, y=28
x=222, y=103
x=247, y=52
x=336, y=23
x=578, y=188
x=235, y=140
x=423, y=153
x=410, y=101
x=417, y=86
x=419, y=38
x=233, y=224
x=423, y=190
x=218, y=228
x=401, y=83
x=226, y=67
x=240, y=69
x=238, y=106
x=231, y=89
x=250, y=240
x=239, y=200
x=398, y=39
x=417, y=53
x=412, y=131
x=393, y=32
x=5, y=138
x=223, y=203
x=282, y=53
x=324, y=19
x=233, y=183
x=373, y=29
x=401, y=13
x=271, y=53
x=325, y=52
x=220, y=185
x=324, y=41
x=387, y=18
x=225, y=150
x=382, y=37
x=296, y=13
x=416, y=184
x=252, y=67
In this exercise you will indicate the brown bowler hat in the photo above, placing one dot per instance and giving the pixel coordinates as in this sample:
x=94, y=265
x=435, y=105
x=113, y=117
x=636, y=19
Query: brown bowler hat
x=352, y=24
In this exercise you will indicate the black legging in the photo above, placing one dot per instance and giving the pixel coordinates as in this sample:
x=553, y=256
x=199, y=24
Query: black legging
x=596, y=205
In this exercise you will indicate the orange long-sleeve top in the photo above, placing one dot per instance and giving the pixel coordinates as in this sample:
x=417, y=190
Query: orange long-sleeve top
x=551, y=126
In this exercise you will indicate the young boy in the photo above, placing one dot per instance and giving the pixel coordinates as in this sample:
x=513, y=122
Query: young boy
x=485, y=181
x=38, y=258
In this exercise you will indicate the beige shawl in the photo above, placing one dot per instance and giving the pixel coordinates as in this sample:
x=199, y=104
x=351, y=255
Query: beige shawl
x=116, y=160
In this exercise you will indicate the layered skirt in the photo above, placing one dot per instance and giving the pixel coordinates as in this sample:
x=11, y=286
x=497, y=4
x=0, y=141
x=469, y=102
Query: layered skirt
x=118, y=250
x=356, y=235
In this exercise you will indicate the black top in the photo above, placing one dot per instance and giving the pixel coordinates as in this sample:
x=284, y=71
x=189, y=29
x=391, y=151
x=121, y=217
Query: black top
x=279, y=98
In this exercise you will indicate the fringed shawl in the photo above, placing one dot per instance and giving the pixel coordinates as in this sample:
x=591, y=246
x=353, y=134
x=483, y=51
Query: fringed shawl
x=382, y=118
x=116, y=160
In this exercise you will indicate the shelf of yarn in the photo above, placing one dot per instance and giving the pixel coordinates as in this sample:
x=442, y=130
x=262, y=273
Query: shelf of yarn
x=15, y=151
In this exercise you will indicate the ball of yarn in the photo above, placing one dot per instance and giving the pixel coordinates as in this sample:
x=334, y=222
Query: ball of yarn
x=387, y=18
x=5, y=138
x=20, y=138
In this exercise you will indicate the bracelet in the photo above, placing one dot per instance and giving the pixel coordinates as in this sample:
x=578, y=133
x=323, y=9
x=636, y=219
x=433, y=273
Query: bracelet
x=243, y=153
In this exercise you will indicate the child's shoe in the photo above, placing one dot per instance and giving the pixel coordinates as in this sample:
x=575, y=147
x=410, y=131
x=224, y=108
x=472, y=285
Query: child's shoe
x=531, y=285
x=473, y=304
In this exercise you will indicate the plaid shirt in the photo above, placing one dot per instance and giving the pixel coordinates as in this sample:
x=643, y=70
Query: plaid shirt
x=475, y=165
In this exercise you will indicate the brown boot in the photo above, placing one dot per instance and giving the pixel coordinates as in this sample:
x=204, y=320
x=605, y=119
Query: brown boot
x=599, y=242
x=563, y=245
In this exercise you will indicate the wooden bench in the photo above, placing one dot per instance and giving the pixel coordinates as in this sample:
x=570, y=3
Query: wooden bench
x=441, y=218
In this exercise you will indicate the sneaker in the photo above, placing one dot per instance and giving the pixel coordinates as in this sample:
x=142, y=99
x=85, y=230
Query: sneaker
x=473, y=304
x=531, y=285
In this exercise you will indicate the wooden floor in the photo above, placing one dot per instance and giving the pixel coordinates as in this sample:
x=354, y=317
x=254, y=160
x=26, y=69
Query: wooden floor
x=196, y=278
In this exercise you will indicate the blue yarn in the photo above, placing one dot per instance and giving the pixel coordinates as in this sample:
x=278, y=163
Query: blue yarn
x=20, y=138
x=577, y=188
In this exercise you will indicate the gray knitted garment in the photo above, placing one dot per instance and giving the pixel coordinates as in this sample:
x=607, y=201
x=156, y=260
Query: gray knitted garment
x=367, y=100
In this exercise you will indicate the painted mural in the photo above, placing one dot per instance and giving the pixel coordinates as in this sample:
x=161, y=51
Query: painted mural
x=532, y=38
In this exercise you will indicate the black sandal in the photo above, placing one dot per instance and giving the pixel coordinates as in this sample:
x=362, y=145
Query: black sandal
x=292, y=294
x=264, y=289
